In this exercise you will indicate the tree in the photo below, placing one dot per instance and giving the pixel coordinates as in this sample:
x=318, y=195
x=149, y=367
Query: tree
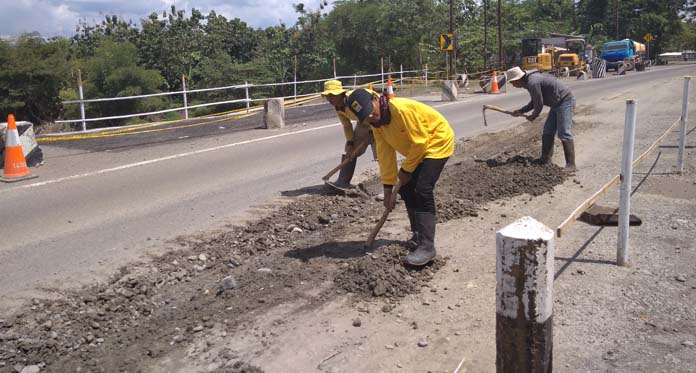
x=113, y=72
x=33, y=73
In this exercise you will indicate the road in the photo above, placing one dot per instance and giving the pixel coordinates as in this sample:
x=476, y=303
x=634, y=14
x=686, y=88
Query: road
x=99, y=205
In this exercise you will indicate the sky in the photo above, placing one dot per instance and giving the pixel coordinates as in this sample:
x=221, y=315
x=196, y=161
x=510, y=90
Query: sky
x=60, y=17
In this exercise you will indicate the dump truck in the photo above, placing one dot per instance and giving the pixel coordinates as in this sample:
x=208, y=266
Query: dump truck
x=627, y=53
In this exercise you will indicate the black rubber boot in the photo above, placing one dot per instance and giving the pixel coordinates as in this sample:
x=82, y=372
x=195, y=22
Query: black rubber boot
x=425, y=251
x=569, y=152
x=546, y=149
x=413, y=242
x=346, y=173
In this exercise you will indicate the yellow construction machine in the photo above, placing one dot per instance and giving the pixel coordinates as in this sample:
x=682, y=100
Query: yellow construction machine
x=574, y=56
x=538, y=56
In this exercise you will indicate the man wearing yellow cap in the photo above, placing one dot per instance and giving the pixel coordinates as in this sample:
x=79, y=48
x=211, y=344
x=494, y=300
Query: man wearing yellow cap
x=359, y=136
x=425, y=138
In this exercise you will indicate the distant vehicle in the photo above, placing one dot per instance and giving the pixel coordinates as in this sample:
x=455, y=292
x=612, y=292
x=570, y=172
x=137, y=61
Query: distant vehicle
x=625, y=52
x=539, y=54
x=550, y=54
x=574, y=56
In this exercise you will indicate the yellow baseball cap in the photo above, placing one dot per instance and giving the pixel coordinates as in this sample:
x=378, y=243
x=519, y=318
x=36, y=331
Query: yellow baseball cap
x=333, y=87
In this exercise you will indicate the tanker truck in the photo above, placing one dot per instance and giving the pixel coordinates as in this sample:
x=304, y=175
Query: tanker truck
x=625, y=52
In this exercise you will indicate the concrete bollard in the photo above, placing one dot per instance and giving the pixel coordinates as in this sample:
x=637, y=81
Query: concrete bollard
x=524, y=297
x=274, y=113
x=27, y=138
x=449, y=90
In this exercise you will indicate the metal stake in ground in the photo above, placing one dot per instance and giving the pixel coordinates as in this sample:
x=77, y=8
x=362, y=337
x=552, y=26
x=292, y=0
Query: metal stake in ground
x=524, y=297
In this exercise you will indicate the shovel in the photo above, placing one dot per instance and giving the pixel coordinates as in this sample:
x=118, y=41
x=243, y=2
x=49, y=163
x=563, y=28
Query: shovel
x=385, y=214
x=358, y=150
x=492, y=107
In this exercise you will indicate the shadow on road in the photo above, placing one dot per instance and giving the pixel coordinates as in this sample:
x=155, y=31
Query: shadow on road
x=337, y=250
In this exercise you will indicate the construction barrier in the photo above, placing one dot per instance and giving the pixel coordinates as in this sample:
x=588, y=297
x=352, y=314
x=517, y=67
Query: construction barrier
x=599, y=69
x=27, y=138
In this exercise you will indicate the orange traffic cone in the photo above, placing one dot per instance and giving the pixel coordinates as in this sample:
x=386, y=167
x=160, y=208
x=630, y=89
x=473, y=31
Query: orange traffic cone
x=494, y=83
x=390, y=89
x=369, y=86
x=15, y=165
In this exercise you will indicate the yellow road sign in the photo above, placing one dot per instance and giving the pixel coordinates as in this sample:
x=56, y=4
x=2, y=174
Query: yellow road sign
x=446, y=42
x=648, y=37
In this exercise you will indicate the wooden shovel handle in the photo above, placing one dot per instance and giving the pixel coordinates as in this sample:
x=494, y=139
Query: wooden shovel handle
x=353, y=155
x=493, y=107
x=385, y=214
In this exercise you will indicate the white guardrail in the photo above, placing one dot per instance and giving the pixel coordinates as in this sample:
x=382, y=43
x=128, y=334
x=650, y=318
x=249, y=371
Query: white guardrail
x=246, y=87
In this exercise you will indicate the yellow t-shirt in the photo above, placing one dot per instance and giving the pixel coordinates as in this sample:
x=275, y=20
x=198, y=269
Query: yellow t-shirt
x=416, y=131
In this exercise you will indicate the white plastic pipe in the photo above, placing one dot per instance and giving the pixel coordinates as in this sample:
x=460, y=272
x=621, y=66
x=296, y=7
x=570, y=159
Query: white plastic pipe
x=183, y=87
x=82, y=102
x=682, y=130
x=625, y=189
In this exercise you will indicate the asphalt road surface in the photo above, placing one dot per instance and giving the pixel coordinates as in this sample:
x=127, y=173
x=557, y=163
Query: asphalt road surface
x=101, y=203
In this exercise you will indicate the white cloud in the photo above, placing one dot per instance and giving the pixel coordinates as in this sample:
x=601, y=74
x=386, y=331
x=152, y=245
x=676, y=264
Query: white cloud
x=60, y=17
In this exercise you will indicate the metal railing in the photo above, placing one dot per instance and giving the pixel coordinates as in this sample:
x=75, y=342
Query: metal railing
x=399, y=77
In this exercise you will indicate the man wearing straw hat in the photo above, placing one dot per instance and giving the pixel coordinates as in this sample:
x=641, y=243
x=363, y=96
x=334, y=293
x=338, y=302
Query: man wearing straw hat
x=336, y=95
x=425, y=138
x=547, y=90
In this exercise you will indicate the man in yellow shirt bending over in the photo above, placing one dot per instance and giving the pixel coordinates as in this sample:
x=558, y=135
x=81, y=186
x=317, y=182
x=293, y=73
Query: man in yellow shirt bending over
x=425, y=138
x=336, y=95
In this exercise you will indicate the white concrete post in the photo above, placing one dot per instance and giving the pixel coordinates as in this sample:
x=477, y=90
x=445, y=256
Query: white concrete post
x=524, y=297
x=625, y=189
x=682, y=130
x=355, y=81
x=183, y=85
x=334, y=67
x=246, y=89
x=82, y=103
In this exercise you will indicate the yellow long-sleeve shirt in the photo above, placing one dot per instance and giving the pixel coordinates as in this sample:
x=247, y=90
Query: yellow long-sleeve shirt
x=416, y=131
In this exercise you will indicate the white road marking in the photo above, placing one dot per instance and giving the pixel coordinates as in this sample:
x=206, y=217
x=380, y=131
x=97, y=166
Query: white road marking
x=175, y=156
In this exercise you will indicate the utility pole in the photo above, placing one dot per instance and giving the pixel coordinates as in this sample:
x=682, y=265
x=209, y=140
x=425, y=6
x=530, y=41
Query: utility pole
x=450, y=54
x=616, y=17
x=501, y=58
x=485, y=34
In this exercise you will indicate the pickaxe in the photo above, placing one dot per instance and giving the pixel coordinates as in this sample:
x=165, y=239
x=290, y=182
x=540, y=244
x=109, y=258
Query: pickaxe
x=385, y=214
x=492, y=107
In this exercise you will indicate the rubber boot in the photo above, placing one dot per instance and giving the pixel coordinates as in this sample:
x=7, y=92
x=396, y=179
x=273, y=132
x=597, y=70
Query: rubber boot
x=413, y=242
x=569, y=152
x=546, y=149
x=346, y=173
x=425, y=251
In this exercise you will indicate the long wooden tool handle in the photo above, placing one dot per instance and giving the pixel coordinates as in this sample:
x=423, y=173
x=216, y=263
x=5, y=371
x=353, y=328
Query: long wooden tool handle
x=353, y=155
x=493, y=107
x=385, y=214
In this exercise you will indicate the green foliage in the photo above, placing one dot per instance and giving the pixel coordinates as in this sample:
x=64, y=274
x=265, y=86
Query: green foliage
x=32, y=75
x=113, y=72
x=122, y=58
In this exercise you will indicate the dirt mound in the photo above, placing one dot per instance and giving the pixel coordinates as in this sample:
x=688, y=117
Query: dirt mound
x=224, y=279
x=381, y=274
x=462, y=190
